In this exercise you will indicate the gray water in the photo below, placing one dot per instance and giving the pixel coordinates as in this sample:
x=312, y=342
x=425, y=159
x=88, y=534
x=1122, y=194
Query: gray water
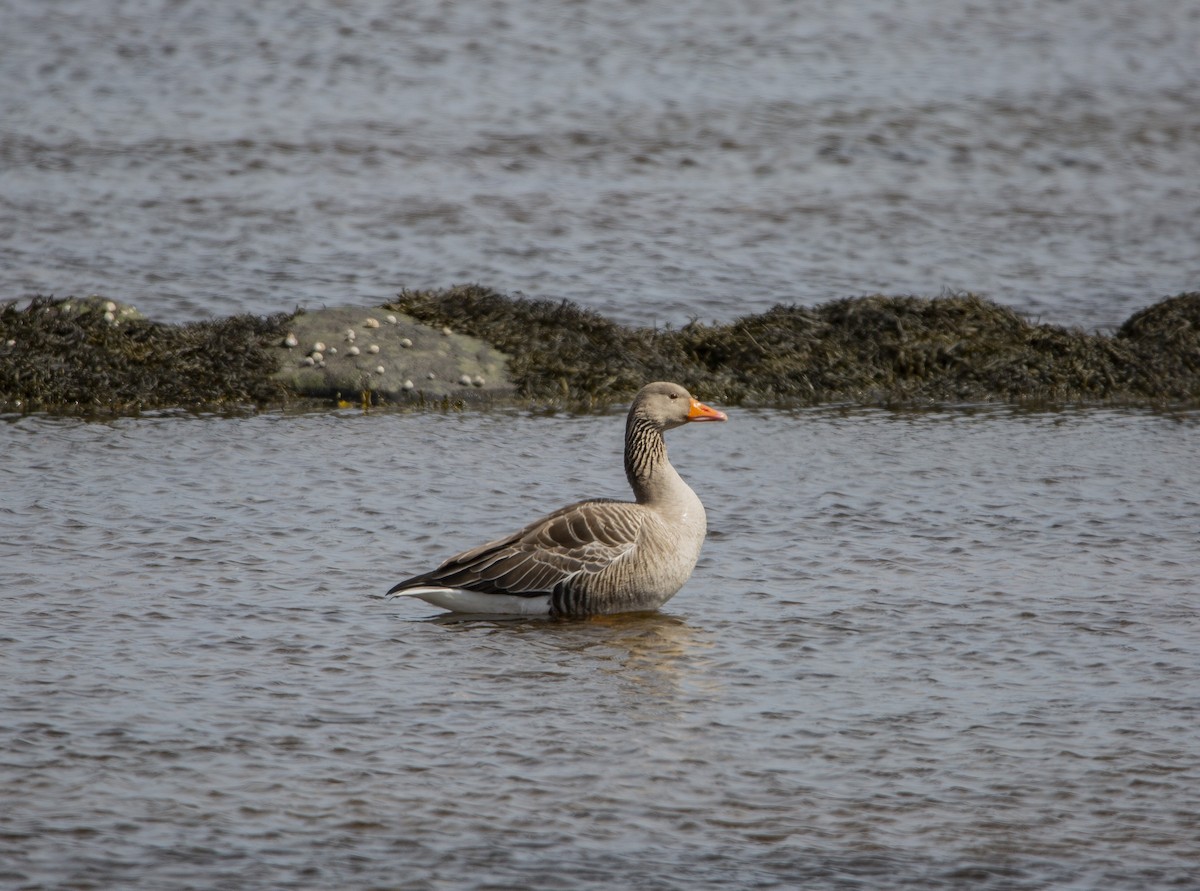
x=934, y=650
x=930, y=650
x=656, y=162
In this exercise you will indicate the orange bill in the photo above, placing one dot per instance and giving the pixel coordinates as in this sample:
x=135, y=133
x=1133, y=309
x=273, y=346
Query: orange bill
x=698, y=411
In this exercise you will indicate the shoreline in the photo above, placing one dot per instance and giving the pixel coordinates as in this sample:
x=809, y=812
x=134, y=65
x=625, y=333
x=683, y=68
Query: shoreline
x=471, y=346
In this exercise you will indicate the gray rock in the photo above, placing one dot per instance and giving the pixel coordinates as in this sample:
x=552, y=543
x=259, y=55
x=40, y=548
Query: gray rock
x=407, y=351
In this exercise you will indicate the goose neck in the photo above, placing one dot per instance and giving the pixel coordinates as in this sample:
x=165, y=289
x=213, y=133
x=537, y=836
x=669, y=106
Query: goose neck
x=646, y=466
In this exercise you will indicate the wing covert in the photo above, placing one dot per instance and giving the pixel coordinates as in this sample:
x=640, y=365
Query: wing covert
x=558, y=548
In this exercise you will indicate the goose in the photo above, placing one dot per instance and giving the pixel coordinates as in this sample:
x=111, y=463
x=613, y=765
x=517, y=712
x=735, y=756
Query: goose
x=593, y=557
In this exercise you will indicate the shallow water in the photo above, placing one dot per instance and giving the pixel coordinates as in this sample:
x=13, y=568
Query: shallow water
x=928, y=650
x=656, y=163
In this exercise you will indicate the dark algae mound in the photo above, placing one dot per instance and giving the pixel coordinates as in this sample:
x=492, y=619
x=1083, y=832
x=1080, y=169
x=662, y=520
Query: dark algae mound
x=873, y=350
x=93, y=355
x=953, y=349
x=1165, y=339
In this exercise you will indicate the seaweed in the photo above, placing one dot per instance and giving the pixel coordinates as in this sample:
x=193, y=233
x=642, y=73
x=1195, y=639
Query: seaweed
x=876, y=349
x=1165, y=340
x=92, y=355
x=81, y=355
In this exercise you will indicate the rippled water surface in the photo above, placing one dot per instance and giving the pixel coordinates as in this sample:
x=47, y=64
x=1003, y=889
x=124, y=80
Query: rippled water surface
x=935, y=650
x=656, y=162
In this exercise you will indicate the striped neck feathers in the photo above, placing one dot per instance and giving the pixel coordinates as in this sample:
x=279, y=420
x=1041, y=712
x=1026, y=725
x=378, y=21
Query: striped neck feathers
x=646, y=459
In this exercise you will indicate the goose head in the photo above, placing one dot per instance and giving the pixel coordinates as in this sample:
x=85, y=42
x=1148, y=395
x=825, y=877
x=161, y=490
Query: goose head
x=668, y=405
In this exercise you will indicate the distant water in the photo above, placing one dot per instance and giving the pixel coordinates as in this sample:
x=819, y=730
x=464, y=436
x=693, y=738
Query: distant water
x=930, y=651
x=656, y=162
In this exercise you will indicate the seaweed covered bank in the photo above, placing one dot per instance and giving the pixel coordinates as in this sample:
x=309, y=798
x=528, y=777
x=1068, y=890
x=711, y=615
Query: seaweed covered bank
x=98, y=355
x=471, y=345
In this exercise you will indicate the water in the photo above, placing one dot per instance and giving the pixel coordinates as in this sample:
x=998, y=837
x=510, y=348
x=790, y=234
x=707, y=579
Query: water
x=926, y=650
x=654, y=162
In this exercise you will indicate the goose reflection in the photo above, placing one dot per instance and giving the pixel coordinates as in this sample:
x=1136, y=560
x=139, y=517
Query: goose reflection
x=651, y=650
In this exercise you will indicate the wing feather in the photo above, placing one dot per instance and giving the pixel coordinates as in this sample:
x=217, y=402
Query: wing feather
x=578, y=540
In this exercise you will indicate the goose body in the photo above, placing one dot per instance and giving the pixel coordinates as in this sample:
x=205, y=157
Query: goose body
x=599, y=556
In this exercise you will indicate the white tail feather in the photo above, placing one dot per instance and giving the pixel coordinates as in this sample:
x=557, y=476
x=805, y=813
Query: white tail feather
x=460, y=600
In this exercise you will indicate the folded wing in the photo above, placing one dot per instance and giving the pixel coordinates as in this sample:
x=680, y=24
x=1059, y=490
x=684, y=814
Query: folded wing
x=577, y=541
